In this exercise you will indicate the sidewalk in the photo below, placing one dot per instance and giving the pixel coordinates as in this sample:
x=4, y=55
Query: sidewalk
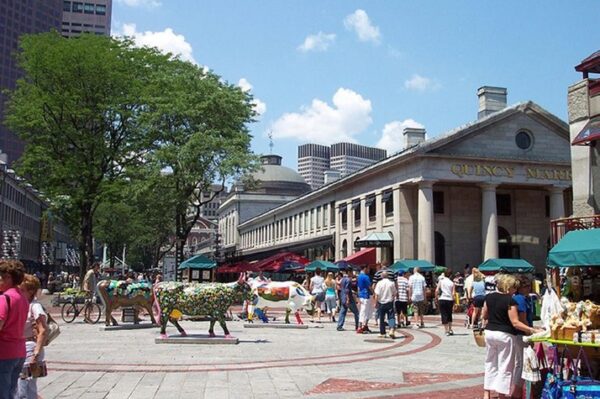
x=318, y=362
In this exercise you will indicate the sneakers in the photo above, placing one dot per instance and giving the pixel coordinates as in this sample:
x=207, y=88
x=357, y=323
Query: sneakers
x=366, y=330
x=392, y=335
x=450, y=332
x=340, y=328
x=421, y=326
x=359, y=330
x=381, y=335
x=333, y=319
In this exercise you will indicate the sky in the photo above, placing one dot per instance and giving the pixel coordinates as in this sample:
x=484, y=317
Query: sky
x=326, y=71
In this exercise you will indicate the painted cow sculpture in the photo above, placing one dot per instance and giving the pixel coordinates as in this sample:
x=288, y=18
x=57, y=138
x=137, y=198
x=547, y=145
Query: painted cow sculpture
x=199, y=299
x=117, y=293
x=287, y=293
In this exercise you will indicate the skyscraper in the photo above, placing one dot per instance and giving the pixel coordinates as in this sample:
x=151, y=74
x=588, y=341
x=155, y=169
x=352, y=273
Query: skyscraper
x=92, y=16
x=313, y=161
x=18, y=17
x=346, y=158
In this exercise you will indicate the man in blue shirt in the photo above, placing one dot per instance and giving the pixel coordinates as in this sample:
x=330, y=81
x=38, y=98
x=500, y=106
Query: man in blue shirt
x=347, y=301
x=366, y=304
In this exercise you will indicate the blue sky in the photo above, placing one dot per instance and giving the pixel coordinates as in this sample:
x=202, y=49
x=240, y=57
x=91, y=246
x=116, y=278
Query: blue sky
x=330, y=71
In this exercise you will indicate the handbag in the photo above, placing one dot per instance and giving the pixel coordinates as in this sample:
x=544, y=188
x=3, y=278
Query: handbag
x=479, y=335
x=555, y=377
x=581, y=387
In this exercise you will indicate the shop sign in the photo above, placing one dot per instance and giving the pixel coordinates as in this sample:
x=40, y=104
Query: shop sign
x=465, y=169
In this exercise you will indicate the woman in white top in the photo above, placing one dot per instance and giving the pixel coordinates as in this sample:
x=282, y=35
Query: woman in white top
x=36, y=320
x=444, y=295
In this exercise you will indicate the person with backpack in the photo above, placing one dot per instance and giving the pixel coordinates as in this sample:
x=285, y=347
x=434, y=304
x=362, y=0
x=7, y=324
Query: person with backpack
x=36, y=334
x=13, y=312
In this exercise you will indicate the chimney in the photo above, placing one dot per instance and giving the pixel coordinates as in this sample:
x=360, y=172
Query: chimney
x=331, y=175
x=413, y=136
x=491, y=99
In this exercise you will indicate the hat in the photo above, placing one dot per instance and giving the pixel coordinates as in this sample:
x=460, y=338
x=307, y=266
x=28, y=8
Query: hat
x=400, y=272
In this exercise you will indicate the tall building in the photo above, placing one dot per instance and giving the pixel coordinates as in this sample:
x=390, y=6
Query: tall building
x=18, y=17
x=91, y=16
x=209, y=209
x=313, y=161
x=349, y=158
x=346, y=158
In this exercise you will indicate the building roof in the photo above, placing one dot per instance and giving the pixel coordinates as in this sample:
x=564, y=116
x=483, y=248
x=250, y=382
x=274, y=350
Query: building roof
x=277, y=173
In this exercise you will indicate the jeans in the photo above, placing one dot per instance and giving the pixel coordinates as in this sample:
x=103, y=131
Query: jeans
x=10, y=369
x=353, y=309
x=386, y=309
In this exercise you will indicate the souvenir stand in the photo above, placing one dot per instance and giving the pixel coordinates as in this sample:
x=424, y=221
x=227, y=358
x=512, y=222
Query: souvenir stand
x=503, y=265
x=578, y=252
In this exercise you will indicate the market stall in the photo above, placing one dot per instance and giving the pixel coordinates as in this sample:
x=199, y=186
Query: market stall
x=198, y=268
x=324, y=265
x=408, y=265
x=505, y=265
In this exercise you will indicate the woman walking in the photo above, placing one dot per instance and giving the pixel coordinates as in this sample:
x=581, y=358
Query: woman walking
x=477, y=292
x=502, y=324
x=444, y=296
x=36, y=332
x=330, y=296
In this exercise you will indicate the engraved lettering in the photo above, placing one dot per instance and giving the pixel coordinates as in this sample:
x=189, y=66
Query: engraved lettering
x=510, y=171
x=531, y=173
x=458, y=170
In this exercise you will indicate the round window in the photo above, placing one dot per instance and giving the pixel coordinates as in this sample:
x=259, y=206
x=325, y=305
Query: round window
x=523, y=140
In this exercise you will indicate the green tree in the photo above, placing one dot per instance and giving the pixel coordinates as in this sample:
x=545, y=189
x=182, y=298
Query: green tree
x=199, y=124
x=78, y=108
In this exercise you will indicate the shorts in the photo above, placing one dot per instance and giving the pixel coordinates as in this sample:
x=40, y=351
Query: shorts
x=478, y=301
x=420, y=307
x=320, y=296
x=401, y=307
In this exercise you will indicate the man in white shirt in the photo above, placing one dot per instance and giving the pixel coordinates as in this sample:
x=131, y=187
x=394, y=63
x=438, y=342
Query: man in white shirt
x=317, y=290
x=385, y=293
x=416, y=291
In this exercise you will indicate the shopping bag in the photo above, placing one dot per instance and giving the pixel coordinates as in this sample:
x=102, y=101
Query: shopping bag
x=553, y=386
x=544, y=369
x=581, y=387
x=531, y=367
x=410, y=310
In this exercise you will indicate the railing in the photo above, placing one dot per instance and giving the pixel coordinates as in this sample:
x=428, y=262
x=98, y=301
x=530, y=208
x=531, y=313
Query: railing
x=560, y=227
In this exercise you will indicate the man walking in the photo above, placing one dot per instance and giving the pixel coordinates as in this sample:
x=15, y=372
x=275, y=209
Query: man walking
x=347, y=301
x=366, y=304
x=90, y=280
x=416, y=290
x=385, y=293
x=402, y=301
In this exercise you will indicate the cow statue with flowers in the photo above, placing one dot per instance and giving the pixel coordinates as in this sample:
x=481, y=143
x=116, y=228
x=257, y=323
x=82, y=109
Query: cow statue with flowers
x=289, y=294
x=199, y=299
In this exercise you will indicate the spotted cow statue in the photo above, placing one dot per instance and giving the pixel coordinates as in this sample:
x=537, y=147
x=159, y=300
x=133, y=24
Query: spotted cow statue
x=289, y=294
x=199, y=299
x=117, y=293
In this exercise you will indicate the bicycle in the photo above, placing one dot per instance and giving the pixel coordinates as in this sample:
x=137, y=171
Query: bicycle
x=91, y=311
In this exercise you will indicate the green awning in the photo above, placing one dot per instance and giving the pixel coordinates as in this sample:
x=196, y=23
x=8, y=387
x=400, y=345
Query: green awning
x=407, y=265
x=375, y=240
x=506, y=266
x=321, y=264
x=576, y=248
x=198, y=262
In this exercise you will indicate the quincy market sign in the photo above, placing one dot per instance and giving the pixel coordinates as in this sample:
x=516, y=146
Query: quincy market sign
x=466, y=169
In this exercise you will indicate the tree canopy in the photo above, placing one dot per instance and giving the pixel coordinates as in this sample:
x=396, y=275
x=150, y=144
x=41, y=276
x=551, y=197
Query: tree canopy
x=97, y=112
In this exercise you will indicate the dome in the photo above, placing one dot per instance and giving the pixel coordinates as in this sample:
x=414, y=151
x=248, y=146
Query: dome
x=272, y=171
x=272, y=178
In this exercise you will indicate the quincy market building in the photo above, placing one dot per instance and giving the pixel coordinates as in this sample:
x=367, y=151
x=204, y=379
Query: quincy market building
x=484, y=190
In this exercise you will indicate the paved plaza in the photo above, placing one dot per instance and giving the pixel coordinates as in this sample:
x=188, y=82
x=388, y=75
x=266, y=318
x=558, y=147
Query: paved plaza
x=318, y=362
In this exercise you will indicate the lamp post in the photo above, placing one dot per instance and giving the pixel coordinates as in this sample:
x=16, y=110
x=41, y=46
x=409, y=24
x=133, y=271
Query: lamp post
x=4, y=168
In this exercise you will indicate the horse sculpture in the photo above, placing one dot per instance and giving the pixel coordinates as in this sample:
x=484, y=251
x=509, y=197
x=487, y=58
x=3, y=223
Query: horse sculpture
x=287, y=293
x=196, y=299
x=116, y=293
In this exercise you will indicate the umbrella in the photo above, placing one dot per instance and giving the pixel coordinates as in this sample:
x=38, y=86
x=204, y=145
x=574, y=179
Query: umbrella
x=323, y=265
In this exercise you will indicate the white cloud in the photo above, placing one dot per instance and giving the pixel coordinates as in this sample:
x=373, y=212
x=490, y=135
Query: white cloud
x=166, y=41
x=319, y=42
x=360, y=23
x=259, y=106
x=392, y=138
x=141, y=3
x=420, y=83
x=325, y=124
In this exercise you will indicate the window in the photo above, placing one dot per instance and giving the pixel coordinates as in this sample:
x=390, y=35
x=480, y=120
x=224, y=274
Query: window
x=344, y=217
x=318, y=217
x=370, y=205
x=77, y=6
x=503, y=205
x=524, y=140
x=389, y=203
x=67, y=6
x=356, y=208
x=438, y=202
x=100, y=9
x=88, y=8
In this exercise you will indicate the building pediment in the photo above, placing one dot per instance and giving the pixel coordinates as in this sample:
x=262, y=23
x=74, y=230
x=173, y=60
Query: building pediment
x=524, y=132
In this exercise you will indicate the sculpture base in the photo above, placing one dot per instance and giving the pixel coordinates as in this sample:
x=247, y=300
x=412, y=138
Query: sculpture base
x=128, y=327
x=197, y=339
x=276, y=325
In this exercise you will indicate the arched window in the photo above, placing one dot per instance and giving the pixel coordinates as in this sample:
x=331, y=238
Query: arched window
x=344, y=251
x=506, y=248
x=440, y=249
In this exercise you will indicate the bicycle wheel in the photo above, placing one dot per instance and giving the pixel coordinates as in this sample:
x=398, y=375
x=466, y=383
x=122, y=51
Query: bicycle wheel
x=92, y=313
x=68, y=312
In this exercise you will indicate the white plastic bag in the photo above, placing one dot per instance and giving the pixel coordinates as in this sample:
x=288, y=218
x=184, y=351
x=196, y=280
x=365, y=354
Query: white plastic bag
x=531, y=367
x=551, y=305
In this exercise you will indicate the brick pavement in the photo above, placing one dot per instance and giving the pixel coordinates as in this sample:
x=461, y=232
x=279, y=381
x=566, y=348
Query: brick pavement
x=318, y=362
